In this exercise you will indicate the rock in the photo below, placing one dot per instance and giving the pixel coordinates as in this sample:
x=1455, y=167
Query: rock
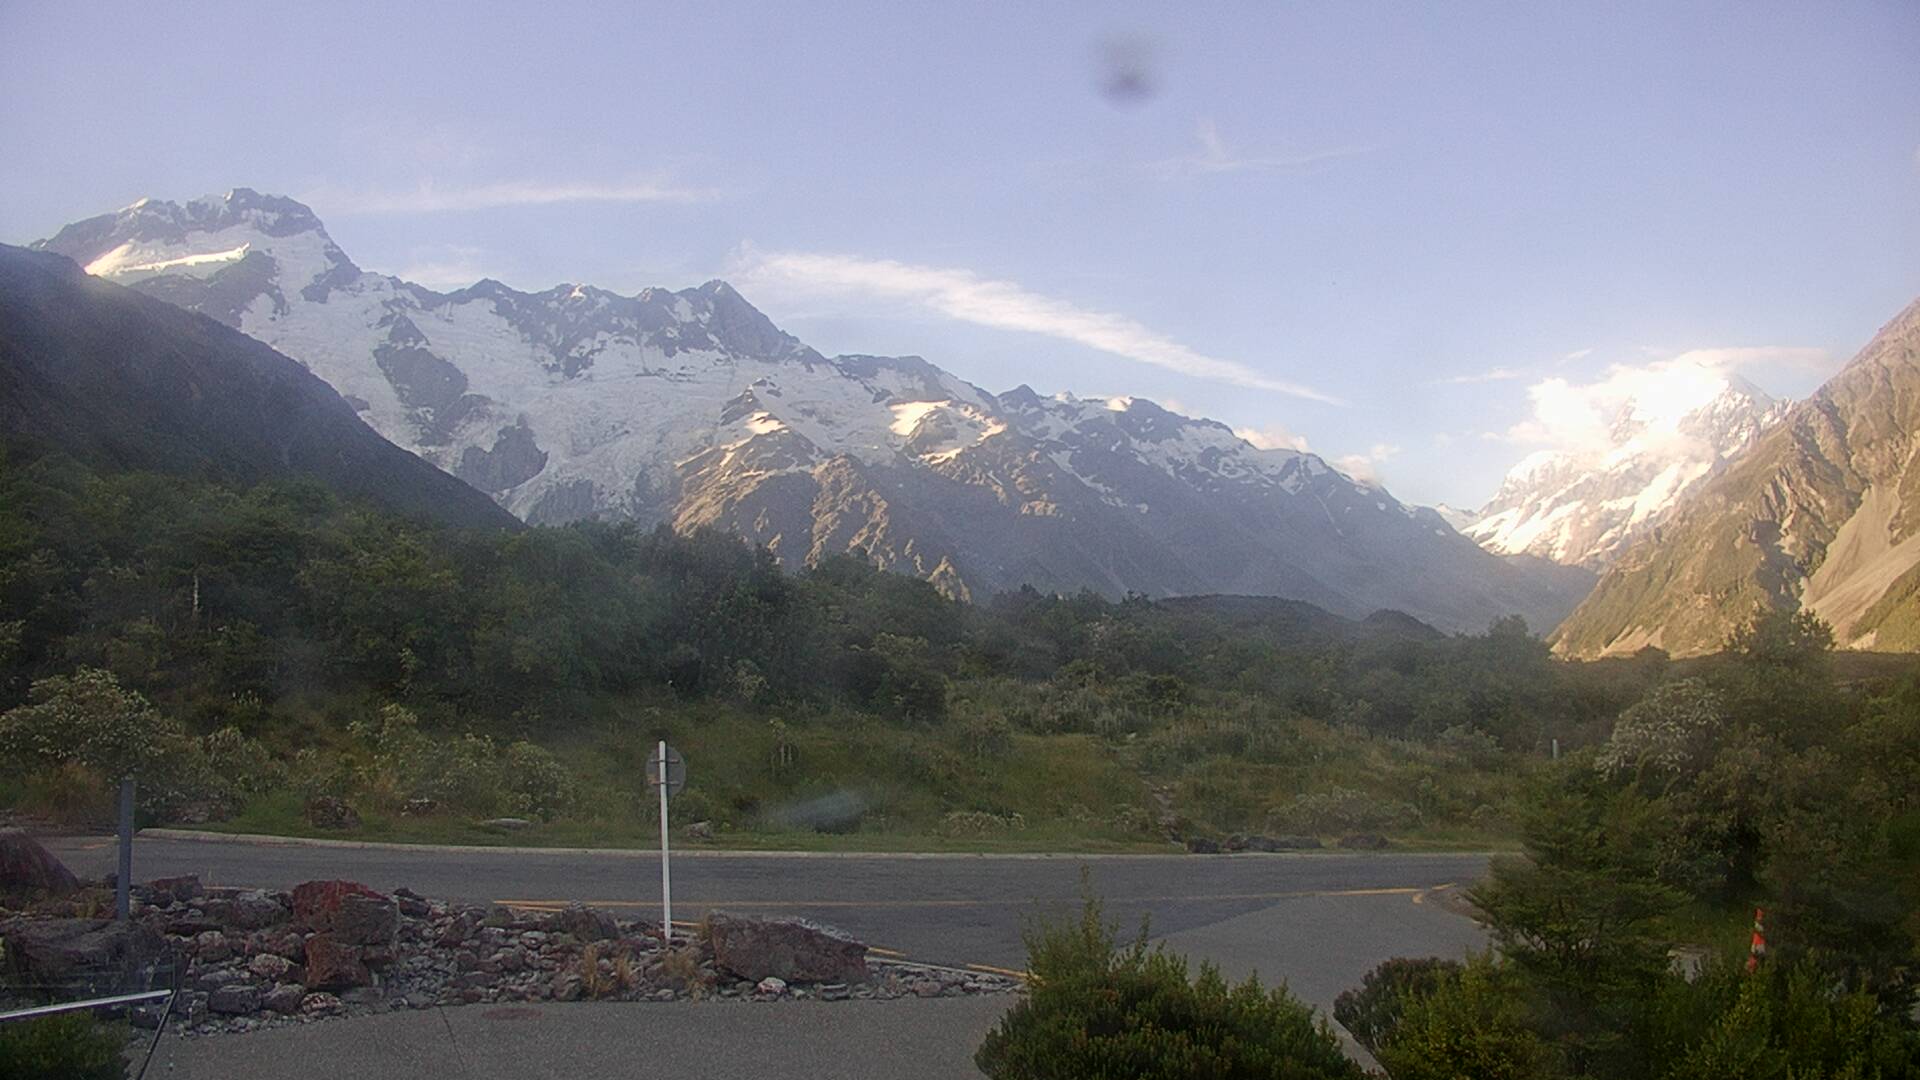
x=566, y=987
x=787, y=948
x=236, y=999
x=1282, y=843
x=418, y=807
x=268, y=966
x=1200, y=845
x=1363, y=841
x=255, y=909
x=412, y=904
x=332, y=965
x=770, y=985
x=320, y=1005
x=585, y=923
x=460, y=929
x=329, y=812
x=511, y=824
x=284, y=999
x=29, y=871
x=288, y=943
x=209, y=981
x=76, y=954
x=180, y=889
x=210, y=947
x=700, y=830
x=349, y=911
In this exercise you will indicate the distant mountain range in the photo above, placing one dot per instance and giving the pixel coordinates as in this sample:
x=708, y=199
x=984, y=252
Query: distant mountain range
x=1821, y=513
x=125, y=381
x=691, y=408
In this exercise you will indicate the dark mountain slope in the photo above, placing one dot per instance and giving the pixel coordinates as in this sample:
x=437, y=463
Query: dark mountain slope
x=128, y=381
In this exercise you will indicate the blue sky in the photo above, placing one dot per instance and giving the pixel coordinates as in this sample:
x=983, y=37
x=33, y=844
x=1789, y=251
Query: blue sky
x=1379, y=229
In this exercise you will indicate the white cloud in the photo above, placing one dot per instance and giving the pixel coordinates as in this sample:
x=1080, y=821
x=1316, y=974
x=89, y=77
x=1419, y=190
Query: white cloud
x=1366, y=467
x=1214, y=156
x=1584, y=418
x=1273, y=437
x=1005, y=305
x=429, y=197
x=1577, y=354
x=444, y=267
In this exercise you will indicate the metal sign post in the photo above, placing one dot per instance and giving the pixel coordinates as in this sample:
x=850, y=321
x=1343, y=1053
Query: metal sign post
x=668, y=772
x=122, y=886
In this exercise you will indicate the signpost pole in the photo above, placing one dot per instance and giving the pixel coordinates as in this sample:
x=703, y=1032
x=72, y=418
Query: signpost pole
x=666, y=872
x=123, y=883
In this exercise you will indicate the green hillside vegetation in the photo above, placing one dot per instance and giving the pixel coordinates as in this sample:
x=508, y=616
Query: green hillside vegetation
x=255, y=648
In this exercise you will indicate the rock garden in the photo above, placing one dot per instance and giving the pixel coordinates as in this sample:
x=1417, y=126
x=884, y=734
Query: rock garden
x=248, y=958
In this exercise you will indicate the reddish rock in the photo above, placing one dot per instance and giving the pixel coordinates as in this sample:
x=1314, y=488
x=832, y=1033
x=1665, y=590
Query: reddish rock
x=334, y=966
x=349, y=911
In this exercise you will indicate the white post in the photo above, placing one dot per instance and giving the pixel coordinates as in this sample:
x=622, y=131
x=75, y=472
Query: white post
x=666, y=873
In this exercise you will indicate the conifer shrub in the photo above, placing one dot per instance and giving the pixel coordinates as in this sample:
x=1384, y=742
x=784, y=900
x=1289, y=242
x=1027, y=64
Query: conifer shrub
x=1095, y=1010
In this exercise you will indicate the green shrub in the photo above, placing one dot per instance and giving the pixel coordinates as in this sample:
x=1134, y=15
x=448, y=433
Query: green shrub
x=1370, y=1013
x=1785, y=1021
x=538, y=784
x=1472, y=1025
x=67, y=1047
x=1095, y=1011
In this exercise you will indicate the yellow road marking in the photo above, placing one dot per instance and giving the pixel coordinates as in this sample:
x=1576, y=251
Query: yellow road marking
x=1408, y=890
x=991, y=970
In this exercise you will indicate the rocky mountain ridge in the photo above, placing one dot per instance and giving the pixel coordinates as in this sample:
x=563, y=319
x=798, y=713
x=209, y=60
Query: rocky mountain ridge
x=1821, y=514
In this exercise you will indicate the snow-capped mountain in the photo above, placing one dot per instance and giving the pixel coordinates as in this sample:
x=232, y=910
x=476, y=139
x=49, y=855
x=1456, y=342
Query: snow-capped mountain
x=691, y=408
x=1583, y=509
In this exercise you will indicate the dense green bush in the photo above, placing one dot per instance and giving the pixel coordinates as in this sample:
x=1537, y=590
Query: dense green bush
x=1472, y=1023
x=1370, y=1012
x=67, y=1047
x=1097, y=1011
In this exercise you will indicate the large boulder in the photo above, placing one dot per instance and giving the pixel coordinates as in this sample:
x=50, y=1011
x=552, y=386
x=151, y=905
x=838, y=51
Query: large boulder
x=584, y=923
x=29, y=871
x=332, y=965
x=80, y=954
x=347, y=911
x=796, y=950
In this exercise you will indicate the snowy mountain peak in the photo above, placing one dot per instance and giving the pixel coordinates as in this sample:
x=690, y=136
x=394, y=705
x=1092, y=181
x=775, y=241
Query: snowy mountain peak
x=691, y=407
x=1582, y=507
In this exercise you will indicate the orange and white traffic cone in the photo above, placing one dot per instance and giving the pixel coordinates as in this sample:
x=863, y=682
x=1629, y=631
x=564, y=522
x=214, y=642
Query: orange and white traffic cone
x=1758, y=948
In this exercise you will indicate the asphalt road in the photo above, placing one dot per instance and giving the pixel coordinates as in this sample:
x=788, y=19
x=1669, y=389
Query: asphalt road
x=1317, y=920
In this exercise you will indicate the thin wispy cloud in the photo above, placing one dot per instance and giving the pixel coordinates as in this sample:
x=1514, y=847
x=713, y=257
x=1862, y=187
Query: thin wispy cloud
x=453, y=266
x=966, y=296
x=1213, y=155
x=429, y=197
x=1494, y=374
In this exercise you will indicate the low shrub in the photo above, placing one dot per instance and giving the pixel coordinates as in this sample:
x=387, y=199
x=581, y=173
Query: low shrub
x=1095, y=1010
x=1370, y=1012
